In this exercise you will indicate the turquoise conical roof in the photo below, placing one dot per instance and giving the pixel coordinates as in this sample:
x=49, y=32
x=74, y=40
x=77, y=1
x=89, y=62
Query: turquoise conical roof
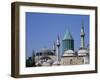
x=68, y=36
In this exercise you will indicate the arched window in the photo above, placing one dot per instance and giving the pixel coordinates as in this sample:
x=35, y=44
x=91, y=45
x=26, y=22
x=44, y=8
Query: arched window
x=71, y=61
x=82, y=60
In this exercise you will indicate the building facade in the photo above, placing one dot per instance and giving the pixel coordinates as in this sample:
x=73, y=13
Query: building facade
x=68, y=56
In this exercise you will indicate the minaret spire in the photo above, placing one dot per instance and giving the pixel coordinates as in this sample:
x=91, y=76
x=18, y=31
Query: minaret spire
x=82, y=35
x=58, y=50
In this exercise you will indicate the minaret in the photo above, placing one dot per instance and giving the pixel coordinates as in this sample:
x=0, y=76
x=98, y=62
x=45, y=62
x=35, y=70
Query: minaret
x=82, y=36
x=58, y=50
x=54, y=48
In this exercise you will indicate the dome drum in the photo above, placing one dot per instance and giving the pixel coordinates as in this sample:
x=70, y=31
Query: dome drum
x=69, y=53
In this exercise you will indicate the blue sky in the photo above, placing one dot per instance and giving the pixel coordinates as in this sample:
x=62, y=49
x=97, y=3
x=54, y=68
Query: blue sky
x=42, y=29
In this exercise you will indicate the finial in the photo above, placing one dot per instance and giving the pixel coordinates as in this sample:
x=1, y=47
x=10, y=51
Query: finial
x=82, y=23
x=58, y=37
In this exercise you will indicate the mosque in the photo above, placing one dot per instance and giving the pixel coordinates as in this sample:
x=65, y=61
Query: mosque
x=68, y=56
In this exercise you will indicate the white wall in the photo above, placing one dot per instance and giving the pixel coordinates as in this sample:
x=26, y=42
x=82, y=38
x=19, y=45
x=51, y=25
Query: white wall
x=5, y=40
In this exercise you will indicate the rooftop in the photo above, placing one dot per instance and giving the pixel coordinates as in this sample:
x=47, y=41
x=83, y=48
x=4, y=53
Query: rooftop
x=68, y=36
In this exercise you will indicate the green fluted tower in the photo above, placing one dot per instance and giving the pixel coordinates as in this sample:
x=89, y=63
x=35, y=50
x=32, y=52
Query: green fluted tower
x=67, y=42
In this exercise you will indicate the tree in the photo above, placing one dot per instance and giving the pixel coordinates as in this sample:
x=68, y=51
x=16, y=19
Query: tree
x=29, y=62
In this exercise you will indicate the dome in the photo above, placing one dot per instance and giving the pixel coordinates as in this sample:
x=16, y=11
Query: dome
x=68, y=53
x=83, y=52
x=46, y=52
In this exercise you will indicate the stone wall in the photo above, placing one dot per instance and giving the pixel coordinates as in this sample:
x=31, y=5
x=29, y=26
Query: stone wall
x=72, y=60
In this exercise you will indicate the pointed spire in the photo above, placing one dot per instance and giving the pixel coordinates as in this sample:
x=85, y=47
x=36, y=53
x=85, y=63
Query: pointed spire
x=82, y=25
x=68, y=36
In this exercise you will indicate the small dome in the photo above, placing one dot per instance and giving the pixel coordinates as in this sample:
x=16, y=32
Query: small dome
x=83, y=52
x=45, y=64
x=50, y=61
x=69, y=53
x=38, y=63
x=56, y=63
